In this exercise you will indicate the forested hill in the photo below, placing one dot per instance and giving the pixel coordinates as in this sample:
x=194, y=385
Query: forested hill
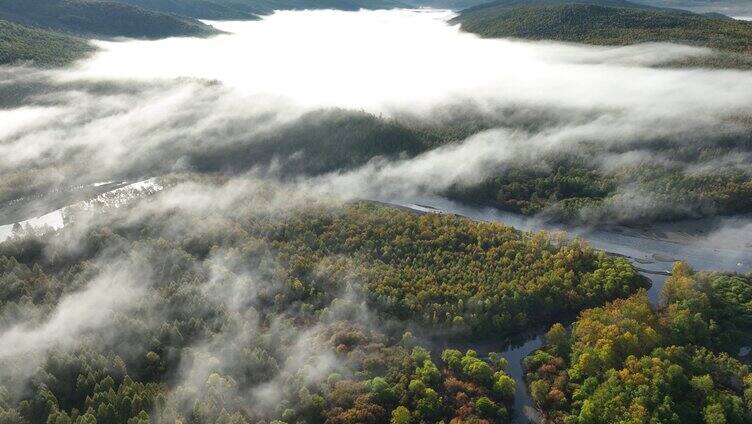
x=20, y=44
x=604, y=22
x=202, y=9
x=250, y=9
x=100, y=19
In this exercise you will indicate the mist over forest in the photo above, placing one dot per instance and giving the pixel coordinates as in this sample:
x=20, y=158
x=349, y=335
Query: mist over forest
x=229, y=224
x=480, y=119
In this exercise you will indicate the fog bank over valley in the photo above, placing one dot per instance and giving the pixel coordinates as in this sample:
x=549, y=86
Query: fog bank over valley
x=410, y=59
x=403, y=100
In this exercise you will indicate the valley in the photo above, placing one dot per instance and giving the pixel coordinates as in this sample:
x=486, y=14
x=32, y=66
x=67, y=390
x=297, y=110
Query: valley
x=346, y=212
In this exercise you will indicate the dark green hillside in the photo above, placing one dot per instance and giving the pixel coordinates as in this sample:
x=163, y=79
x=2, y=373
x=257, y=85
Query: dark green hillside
x=100, y=19
x=203, y=9
x=249, y=9
x=334, y=4
x=605, y=22
x=20, y=44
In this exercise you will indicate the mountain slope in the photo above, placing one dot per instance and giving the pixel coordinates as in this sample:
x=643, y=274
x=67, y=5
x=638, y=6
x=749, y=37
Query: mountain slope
x=100, y=18
x=203, y=9
x=249, y=9
x=604, y=22
x=19, y=44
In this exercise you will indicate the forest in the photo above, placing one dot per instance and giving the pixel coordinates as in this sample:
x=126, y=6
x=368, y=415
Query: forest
x=568, y=189
x=629, y=362
x=20, y=44
x=100, y=18
x=252, y=9
x=203, y=9
x=613, y=23
x=321, y=314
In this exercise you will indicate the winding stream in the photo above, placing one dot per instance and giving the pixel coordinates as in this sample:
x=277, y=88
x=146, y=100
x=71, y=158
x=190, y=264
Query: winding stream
x=654, y=258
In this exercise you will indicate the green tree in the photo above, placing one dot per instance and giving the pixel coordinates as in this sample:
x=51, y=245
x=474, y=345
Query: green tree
x=400, y=415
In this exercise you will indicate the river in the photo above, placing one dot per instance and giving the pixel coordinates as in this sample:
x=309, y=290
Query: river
x=653, y=257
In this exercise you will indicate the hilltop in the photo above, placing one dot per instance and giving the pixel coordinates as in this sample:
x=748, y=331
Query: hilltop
x=606, y=22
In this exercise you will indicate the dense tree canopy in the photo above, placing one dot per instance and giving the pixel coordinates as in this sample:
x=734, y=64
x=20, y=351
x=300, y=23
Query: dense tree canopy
x=20, y=44
x=300, y=316
x=627, y=362
x=603, y=22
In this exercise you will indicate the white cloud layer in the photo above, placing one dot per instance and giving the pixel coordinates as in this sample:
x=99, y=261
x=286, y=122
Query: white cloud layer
x=398, y=61
x=401, y=58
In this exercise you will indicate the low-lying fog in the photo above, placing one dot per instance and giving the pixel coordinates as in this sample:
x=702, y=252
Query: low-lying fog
x=138, y=109
x=408, y=59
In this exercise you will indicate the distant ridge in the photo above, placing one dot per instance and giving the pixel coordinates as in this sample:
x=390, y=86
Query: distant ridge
x=538, y=3
x=100, y=18
x=605, y=22
x=202, y=9
x=251, y=9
